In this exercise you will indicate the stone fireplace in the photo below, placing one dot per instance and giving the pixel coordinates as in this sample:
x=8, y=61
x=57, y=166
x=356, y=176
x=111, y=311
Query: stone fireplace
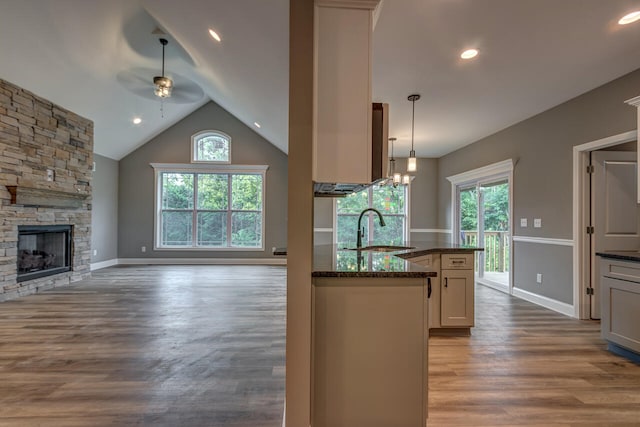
x=46, y=159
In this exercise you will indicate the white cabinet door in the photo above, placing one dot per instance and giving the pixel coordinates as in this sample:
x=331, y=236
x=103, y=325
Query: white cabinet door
x=342, y=137
x=457, y=298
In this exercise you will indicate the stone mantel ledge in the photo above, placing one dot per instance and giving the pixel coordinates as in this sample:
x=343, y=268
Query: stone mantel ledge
x=42, y=197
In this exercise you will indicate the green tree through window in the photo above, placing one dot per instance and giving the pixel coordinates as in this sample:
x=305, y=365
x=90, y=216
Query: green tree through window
x=210, y=209
x=211, y=147
x=390, y=201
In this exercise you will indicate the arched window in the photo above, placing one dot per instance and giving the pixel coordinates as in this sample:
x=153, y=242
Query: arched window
x=211, y=146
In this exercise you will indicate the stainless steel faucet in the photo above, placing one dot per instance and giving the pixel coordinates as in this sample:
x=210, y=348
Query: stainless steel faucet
x=361, y=229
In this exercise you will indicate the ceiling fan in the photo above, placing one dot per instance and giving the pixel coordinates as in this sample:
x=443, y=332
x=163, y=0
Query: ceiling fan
x=174, y=89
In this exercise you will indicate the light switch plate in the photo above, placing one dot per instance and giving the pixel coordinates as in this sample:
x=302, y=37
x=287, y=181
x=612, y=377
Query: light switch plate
x=523, y=222
x=537, y=222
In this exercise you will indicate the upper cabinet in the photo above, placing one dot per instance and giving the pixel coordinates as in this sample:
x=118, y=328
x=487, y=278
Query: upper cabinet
x=342, y=146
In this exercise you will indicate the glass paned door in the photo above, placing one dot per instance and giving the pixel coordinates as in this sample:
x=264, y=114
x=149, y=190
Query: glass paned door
x=468, y=216
x=484, y=221
x=494, y=233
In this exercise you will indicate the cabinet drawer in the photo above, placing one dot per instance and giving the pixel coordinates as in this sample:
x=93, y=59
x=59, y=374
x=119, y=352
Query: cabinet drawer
x=457, y=261
x=423, y=260
x=620, y=270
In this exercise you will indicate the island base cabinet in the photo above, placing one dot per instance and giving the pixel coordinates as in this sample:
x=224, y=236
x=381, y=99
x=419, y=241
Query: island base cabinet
x=369, y=353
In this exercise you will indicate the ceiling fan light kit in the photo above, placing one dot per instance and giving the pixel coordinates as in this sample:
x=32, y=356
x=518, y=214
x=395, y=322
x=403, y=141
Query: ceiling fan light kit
x=162, y=85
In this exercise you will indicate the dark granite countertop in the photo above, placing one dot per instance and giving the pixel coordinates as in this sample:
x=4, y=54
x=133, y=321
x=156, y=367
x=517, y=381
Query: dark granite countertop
x=340, y=261
x=633, y=256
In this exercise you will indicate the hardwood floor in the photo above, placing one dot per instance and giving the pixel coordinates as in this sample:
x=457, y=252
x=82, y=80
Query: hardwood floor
x=148, y=345
x=204, y=346
x=525, y=365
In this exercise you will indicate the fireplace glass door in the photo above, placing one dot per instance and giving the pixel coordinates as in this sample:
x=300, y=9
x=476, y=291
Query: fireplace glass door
x=43, y=251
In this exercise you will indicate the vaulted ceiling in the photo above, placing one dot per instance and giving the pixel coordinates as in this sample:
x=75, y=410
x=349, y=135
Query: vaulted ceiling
x=98, y=59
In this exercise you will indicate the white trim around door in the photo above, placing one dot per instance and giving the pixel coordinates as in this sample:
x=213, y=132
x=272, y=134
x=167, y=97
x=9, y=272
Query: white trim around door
x=502, y=169
x=580, y=217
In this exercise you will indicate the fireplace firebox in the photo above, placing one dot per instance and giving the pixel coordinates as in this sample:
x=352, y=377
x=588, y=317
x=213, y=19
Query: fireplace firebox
x=43, y=250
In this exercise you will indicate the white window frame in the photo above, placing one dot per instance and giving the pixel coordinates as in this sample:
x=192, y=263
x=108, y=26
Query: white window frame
x=372, y=218
x=203, y=134
x=160, y=168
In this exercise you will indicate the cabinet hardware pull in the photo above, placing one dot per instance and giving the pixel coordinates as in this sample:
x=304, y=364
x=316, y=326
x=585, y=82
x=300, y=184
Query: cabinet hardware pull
x=445, y=282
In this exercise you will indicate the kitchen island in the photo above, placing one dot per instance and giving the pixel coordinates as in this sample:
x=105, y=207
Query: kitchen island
x=370, y=330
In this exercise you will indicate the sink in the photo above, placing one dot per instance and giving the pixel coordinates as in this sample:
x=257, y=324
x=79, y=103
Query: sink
x=381, y=248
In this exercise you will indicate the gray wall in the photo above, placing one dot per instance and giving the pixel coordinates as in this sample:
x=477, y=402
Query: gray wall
x=104, y=212
x=136, y=189
x=542, y=185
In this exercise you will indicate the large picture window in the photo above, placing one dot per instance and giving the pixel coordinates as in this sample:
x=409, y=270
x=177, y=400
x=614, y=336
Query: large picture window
x=209, y=208
x=390, y=201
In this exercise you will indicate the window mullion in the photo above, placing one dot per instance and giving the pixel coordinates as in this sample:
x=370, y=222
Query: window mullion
x=194, y=214
x=229, y=210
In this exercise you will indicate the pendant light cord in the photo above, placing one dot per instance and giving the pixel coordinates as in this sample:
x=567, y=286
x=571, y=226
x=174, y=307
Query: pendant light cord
x=413, y=120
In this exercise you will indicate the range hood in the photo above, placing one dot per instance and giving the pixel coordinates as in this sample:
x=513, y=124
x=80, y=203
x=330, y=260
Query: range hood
x=377, y=155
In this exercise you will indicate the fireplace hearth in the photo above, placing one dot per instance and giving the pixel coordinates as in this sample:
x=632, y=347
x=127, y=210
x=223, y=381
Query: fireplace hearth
x=43, y=250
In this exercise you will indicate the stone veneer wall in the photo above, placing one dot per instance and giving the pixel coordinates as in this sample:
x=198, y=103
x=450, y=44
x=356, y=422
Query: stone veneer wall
x=36, y=135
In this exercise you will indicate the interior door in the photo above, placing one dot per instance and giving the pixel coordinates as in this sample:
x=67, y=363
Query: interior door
x=615, y=213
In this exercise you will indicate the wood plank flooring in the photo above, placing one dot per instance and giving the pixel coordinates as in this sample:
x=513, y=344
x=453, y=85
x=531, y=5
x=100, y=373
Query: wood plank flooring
x=204, y=346
x=149, y=345
x=525, y=365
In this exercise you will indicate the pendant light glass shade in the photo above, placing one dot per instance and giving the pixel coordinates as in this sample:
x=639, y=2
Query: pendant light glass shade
x=406, y=179
x=412, y=164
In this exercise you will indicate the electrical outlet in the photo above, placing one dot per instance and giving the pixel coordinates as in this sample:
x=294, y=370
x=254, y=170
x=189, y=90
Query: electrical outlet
x=539, y=278
x=537, y=222
x=143, y=249
x=95, y=252
x=523, y=222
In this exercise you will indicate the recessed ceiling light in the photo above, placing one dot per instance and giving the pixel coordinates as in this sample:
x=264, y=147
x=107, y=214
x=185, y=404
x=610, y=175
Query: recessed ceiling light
x=469, y=53
x=257, y=124
x=629, y=18
x=137, y=120
x=215, y=35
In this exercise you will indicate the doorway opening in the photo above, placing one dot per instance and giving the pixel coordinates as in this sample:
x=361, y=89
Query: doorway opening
x=585, y=202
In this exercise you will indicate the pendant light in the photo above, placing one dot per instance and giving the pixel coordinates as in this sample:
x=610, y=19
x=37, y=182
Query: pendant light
x=411, y=161
x=162, y=85
x=394, y=177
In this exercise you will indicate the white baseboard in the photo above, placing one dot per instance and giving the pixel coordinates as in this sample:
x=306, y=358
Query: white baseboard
x=493, y=285
x=104, y=264
x=202, y=261
x=551, y=304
